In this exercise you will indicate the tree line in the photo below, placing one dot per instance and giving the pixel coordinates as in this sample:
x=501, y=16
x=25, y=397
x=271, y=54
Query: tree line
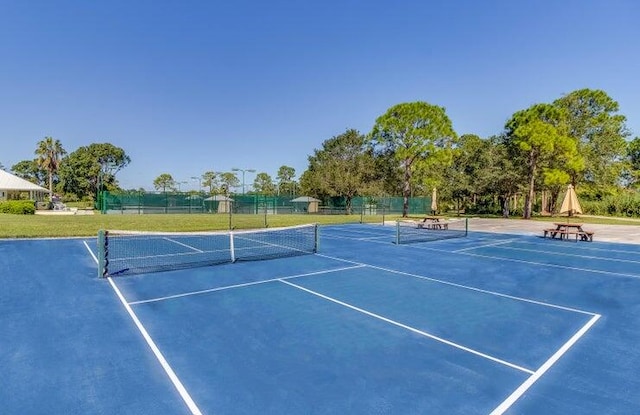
x=78, y=175
x=224, y=182
x=579, y=139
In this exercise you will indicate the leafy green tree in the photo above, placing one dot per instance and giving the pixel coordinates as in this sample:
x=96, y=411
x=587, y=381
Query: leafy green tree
x=592, y=119
x=210, y=179
x=263, y=184
x=164, y=182
x=49, y=153
x=285, y=178
x=481, y=173
x=497, y=173
x=460, y=179
x=229, y=180
x=417, y=134
x=539, y=135
x=92, y=168
x=633, y=158
x=633, y=151
x=31, y=171
x=344, y=167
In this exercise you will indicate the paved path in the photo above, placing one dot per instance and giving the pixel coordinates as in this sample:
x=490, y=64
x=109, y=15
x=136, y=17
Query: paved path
x=610, y=233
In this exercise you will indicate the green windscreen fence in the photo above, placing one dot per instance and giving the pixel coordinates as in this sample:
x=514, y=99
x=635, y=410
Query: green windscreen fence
x=176, y=202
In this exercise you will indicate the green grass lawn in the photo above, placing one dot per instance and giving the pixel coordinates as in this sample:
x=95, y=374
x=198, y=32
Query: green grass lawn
x=32, y=226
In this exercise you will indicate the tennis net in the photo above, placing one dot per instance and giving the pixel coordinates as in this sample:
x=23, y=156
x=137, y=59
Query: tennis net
x=411, y=231
x=129, y=252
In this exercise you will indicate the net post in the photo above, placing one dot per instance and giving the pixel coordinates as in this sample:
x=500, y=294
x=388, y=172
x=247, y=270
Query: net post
x=316, y=238
x=466, y=226
x=102, y=253
x=232, y=249
x=397, y=232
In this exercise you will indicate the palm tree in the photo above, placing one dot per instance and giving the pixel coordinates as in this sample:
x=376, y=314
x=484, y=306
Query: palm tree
x=49, y=154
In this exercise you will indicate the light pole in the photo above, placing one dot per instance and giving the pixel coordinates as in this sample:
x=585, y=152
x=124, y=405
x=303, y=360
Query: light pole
x=106, y=168
x=243, y=171
x=199, y=180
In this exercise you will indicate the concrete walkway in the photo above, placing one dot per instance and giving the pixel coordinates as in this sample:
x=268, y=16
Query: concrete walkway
x=629, y=234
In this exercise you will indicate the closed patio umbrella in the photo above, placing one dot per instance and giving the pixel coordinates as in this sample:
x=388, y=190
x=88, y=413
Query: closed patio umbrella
x=434, y=200
x=570, y=204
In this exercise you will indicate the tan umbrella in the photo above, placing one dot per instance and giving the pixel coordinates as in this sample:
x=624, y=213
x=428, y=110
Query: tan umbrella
x=570, y=203
x=434, y=200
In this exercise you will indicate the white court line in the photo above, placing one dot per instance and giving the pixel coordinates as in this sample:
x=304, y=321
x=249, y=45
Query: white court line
x=185, y=245
x=167, y=255
x=246, y=284
x=534, y=375
x=412, y=329
x=466, y=287
x=152, y=345
x=569, y=255
x=485, y=245
x=370, y=238
x=522, y=261
x=504, y=406
x=358, y=234
x=583, y=247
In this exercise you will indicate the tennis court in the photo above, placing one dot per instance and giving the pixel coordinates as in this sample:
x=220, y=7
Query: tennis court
x=486, y=323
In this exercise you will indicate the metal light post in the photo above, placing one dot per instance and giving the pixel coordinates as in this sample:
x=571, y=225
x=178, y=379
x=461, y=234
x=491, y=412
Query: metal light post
x=199, y=180
x=106, y=167
x=243, y=171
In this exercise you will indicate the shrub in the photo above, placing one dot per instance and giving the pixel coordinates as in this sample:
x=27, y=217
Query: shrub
x=18, y=207
x=622, y=205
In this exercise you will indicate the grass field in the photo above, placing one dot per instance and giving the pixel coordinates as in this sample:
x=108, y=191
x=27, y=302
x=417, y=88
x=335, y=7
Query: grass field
x=32, y=226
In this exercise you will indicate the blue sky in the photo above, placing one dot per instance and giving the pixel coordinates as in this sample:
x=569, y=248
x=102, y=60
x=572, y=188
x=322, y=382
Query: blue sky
x=189, y=86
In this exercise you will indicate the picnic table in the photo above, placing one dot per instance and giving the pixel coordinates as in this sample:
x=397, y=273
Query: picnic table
x=563, y=230
x=433, y=222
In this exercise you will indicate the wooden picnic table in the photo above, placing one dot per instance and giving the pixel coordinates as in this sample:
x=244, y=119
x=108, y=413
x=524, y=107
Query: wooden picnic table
x=432, y=222
x=563, y=230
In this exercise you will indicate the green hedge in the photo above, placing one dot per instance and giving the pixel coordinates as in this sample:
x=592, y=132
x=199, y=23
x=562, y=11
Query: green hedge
x=18, y=207
x=622, y=205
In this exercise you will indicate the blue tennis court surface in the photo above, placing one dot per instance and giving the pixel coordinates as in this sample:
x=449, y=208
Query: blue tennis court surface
x=490, y=323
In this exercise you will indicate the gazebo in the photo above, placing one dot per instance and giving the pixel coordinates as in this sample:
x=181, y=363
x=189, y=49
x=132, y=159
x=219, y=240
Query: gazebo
x=310, y=202
x=219, y=203
x=13, y=187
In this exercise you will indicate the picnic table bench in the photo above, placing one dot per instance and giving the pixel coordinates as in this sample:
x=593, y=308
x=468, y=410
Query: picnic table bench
x=566, y=230
x=432, y=222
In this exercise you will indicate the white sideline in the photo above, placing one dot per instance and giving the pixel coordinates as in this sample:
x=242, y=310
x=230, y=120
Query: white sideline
x=412, y=329
x=541, y=371
x=152, y=345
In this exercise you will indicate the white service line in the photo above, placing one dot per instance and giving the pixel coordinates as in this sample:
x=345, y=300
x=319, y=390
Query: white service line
x=246, y=284
x=185, y=245
x=152, y=345
x=600, y=258
x=485, y=245
x=504, y=406
x=522, y=261
x=466, y=287
x=412, y=329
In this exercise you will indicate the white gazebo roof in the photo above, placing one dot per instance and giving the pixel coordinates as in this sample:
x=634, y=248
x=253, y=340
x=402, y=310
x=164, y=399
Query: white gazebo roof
x=9, y=181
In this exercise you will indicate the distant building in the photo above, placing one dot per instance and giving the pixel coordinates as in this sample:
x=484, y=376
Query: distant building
x=13, y=187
